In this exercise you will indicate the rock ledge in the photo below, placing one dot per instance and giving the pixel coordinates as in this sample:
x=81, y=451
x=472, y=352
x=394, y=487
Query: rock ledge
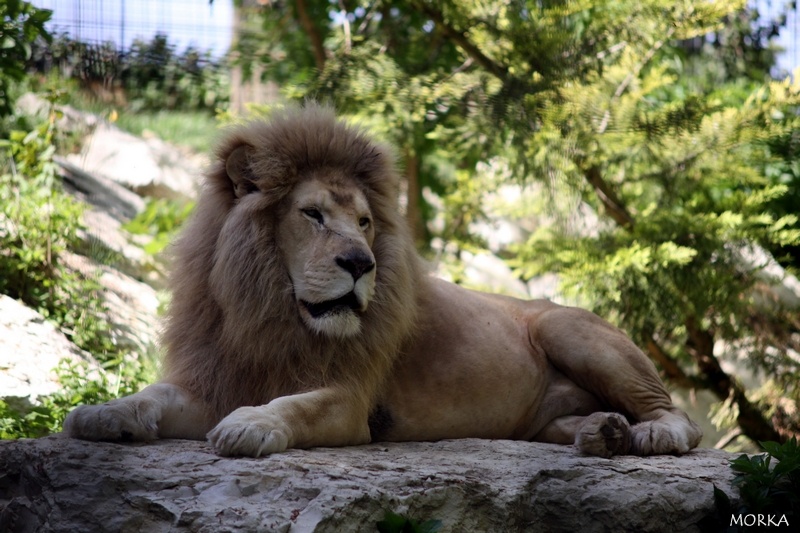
x=60, y=484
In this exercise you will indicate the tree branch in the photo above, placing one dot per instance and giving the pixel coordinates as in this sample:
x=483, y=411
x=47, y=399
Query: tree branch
x=614, y=207
x=499, y=70
x=700, y=342
x=728, y=438
x=751, y=420
x=673, y=371
x=312, y=32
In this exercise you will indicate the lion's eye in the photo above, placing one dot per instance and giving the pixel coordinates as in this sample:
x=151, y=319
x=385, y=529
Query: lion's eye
x=364, y=222
x=314, y=213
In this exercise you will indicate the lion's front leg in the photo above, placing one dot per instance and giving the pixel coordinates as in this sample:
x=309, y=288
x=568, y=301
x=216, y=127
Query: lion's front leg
x=324, y=417
x=162, y=410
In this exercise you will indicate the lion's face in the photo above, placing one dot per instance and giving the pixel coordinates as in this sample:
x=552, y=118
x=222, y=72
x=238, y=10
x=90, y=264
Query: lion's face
x=326, y=237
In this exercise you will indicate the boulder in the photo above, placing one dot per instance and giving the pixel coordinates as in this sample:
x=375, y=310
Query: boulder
x=149, y=167
x=60, y=484
x=30, y=348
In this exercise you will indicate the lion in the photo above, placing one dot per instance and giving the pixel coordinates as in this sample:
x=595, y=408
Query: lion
x=302, y=316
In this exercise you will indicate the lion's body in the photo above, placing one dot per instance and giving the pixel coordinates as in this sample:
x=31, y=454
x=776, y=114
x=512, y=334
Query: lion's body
x=302, y=316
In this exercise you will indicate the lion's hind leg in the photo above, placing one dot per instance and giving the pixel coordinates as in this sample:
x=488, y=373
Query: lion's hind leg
x=601, y=359
x=601, y=434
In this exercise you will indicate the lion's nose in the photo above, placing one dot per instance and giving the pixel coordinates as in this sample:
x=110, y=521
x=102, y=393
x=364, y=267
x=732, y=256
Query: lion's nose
x=356, y=263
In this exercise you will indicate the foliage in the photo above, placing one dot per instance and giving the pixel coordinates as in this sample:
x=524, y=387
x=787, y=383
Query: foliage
x=768, y=488
x=764, y=488
x=20, y=25
x=161, y=219
x=658, y=116
x=39, y=223
x=395, y=523
x=20, y=419
x=152, y=75
x=156, y=77
x=195, y=130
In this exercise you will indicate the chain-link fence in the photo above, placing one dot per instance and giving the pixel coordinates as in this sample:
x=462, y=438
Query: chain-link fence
x=196, y=23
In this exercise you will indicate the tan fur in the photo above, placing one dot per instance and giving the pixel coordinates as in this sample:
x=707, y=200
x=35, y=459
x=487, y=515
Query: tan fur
x=301, y=316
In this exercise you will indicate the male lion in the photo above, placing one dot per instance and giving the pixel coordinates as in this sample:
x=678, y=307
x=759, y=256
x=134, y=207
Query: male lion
x=301, y=316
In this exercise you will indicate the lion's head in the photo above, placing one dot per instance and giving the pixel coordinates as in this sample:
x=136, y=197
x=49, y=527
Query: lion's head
x=324, y=229
x=296, y=258
x=325, y=235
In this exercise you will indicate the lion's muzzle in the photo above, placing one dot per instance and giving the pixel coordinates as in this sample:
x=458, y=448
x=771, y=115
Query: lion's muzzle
x=357, y=263
x=339, y=305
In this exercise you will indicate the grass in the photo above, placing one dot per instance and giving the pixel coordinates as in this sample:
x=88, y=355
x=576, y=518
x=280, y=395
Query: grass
x=193, y=129
x=196, y=130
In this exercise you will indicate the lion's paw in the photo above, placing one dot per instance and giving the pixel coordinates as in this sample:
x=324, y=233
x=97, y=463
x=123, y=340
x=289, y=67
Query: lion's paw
x=669, y=434
x=122, y=419
x=249, y=431
x=604, y=435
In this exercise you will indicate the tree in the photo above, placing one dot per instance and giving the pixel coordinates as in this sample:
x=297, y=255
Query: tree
x=607, y=104
x=20, y=24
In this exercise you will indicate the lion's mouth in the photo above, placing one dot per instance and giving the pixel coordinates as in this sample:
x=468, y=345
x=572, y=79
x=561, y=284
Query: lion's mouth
x=345, y=303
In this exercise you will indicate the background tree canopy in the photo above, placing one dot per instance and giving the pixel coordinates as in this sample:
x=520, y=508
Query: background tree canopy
x=657, y=115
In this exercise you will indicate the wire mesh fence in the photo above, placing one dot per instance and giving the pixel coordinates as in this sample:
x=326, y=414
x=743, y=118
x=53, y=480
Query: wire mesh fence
x=209, y=25
x=187, y=23
x=109, y=29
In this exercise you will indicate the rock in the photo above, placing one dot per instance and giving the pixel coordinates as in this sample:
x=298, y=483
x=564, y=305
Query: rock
x=149, y=167
x=30, y=348
x=100, y=192
x=60, y=484
x=70, y=120
x=132, y=306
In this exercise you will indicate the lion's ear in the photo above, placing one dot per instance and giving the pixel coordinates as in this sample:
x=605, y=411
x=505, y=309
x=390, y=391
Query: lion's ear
x=239, y=172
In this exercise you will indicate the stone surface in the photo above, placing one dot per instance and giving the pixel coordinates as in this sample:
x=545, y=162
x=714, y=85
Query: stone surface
x=30, y=348
x=131, y=305
x=149, y=167
x=102, y=193
x=59, y=484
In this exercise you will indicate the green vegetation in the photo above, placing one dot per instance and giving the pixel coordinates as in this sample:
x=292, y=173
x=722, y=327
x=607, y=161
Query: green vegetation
x=150, y=76
x=161, y=219
x=39, y=223
x=766, y=488
x=151, y=90
x=192, y=129
x=658, y=116
x=20, y=25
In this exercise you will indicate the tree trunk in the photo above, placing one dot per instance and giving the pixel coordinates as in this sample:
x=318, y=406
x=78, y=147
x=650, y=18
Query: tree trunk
x=699, y=344
x=313, y=33
x=414, y=194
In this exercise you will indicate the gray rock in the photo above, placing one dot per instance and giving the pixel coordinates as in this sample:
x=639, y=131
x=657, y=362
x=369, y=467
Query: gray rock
x=59, y=484
x=30, y=348
x=149, y=167
x=132, y=306
x=100, y=192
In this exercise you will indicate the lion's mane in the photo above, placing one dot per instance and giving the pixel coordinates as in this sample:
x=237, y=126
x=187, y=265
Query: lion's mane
x=233, y=334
